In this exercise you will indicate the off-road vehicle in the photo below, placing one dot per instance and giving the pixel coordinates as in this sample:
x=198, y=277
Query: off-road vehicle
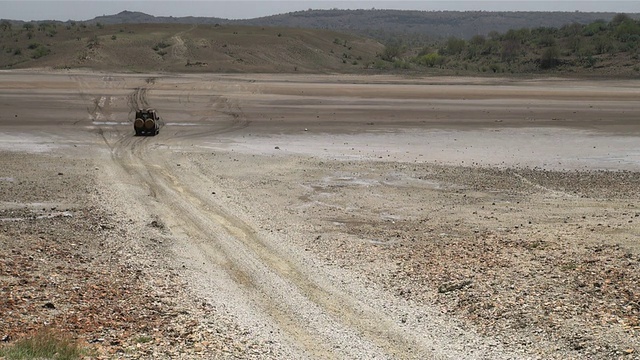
x=147, y=122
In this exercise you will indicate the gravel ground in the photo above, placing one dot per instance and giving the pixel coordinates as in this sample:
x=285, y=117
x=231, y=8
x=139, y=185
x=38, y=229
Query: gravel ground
x=258, y=224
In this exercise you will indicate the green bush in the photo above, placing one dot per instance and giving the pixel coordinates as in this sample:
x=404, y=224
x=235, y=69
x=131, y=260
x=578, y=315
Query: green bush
x=430, y=60
x=391, y=51
x=594, y=28
x=454, y=46
x=627, y=30
x=40, y=52
x=401, y=64
x=549, y=58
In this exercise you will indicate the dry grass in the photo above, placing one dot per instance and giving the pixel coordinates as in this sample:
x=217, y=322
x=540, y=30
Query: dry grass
x=186, y=48
x=45, y=344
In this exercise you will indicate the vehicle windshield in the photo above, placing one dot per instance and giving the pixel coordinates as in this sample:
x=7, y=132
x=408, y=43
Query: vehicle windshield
x=144, y=116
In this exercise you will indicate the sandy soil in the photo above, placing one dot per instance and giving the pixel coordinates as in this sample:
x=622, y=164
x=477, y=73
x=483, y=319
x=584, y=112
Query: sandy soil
x=350, y=217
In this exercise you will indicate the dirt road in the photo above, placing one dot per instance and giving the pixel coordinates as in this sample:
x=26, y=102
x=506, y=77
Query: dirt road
x=326, y=216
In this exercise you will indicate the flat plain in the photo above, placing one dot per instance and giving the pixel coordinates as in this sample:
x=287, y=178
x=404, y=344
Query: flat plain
x=322, y=216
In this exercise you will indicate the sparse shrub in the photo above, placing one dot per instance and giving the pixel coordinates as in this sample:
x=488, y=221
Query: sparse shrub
x=594, y=28
x=454, y=46
x=162, y=52
x=144, y=339
x=5, y=25
x=279, y=35
x=380, y=65
x=629, y=46
x=401, y=64
x=354, y=62
x=547, y=40
x=40, y=52
x=391, y=51
x=113, y=37
x=510, y=50
x=477, y=40
x=99, y=25
x=589, y=61
x=627, y=30
x=619, y=19
x=17, y=51
x=161, y=45
x=94, y=41
x=549, y=58
x=33, y=46
x=602, y=44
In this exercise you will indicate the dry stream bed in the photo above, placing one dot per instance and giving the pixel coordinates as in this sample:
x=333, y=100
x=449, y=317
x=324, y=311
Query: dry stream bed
x=281, y=217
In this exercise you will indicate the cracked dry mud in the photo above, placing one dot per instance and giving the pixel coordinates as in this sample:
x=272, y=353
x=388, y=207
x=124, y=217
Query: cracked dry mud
x=322, y=217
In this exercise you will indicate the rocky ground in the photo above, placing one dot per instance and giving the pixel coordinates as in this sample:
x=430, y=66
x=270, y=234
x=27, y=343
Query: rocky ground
x=71, y=265
x=543, y=260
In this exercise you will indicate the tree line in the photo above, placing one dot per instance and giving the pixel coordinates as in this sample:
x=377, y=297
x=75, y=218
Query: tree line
x=524, y=50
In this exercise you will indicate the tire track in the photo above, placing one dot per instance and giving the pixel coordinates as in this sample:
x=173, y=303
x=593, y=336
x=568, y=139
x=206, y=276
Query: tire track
x=138, y=99
x=285, y=291
x=174, y=203
x=237, y=120
x=104, y=105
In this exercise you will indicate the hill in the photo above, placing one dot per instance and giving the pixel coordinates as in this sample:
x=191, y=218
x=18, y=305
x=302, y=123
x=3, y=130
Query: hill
x=599, y=48
x=383, y=25
x=183, y=48
x=387, y=24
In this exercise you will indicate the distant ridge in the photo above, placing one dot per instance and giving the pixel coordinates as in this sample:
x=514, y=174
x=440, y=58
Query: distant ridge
x=382, y=24
x=135, y=17
x=385, y=24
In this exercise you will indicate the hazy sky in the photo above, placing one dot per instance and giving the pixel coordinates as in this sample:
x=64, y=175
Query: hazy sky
x=242, y=9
